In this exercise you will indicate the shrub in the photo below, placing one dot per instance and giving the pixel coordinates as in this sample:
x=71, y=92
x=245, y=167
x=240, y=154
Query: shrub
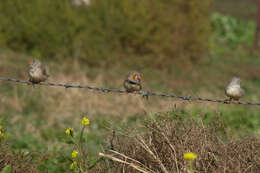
x=161, y=146
x=162, y=30
x=232, y=30
x=41, y=27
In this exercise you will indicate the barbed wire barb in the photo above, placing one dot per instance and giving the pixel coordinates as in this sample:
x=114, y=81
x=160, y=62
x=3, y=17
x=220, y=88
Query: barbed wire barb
x=145, y=94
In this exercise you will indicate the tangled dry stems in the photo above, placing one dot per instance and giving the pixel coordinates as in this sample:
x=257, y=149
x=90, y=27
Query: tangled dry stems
x=19, y=162
x=161, y=147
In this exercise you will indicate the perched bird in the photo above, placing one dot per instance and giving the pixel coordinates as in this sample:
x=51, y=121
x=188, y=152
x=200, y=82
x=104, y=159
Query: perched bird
x=37, y=72
x=78, y=3
x=132, y=82
x=234, y=90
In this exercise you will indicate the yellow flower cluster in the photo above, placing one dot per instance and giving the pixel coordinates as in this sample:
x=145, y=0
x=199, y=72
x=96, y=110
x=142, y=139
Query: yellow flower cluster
x=190, y=156
x=69, y=131
x=1, y=132
x=85, y=121
x=73, y=165
x=74, y=154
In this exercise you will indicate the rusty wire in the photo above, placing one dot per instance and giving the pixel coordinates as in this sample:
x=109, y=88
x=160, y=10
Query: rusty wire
x=145, y=94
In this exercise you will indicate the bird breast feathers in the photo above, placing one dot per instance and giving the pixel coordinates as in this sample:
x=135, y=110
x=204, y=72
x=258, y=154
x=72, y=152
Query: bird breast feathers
x=234, y=91
x=132, y=86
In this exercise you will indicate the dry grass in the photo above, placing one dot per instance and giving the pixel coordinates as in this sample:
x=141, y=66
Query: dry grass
x=57, y=105
x=20, y=162
x=161, y=148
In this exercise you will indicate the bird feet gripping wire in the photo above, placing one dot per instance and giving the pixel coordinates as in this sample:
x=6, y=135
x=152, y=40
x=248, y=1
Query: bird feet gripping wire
x=188, y=98
x=30, y=83
x=227, y=101
x=144, y=94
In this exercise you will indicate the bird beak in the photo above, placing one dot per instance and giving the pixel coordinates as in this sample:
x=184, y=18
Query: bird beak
x=139, y=77
x=30, y=62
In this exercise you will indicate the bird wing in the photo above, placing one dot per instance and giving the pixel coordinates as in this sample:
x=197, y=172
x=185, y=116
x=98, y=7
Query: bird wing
x=45, y=71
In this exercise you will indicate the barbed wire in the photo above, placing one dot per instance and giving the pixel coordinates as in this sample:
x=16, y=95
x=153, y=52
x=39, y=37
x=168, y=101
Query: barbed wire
x=145, y=94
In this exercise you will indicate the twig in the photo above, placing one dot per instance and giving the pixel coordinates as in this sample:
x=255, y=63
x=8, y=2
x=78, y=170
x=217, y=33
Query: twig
x=124, y=162
x=130, y=159
x=144, y=145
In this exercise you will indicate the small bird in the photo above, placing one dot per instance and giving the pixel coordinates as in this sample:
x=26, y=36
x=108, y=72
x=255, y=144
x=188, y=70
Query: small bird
x=132, y=82
x=77, y=3
x=234, y=90
x=37, y=72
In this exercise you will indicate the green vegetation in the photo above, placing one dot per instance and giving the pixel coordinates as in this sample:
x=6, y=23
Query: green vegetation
x=107, y=30
x=161, y=39
x=231, y=30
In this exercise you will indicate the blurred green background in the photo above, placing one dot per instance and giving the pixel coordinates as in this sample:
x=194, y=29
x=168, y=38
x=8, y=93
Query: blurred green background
x=108, y=31
x=181, y=47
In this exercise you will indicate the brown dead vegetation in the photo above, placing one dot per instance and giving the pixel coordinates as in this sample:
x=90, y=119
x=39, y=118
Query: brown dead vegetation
x=161, y=148
x=20, y=162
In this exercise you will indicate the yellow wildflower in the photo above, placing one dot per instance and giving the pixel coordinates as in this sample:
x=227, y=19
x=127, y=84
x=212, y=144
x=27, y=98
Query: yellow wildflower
x=190, y=156
x=73, y=165
x=84, y=121
x=1, y=134
x=74, y=154
x=69, y=131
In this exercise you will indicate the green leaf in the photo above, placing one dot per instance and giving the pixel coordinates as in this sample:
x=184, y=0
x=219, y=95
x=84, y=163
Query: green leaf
x=69, y=141
x=6, y=169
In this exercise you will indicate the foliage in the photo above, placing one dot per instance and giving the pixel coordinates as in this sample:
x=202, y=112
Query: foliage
x=79, y=156
x=14, y=162
x=39, y=27
x=232, y=30
x=107, y=29
x=6, y=169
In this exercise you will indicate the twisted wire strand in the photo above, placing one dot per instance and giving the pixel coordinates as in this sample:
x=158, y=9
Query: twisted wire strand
x=143, y=93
